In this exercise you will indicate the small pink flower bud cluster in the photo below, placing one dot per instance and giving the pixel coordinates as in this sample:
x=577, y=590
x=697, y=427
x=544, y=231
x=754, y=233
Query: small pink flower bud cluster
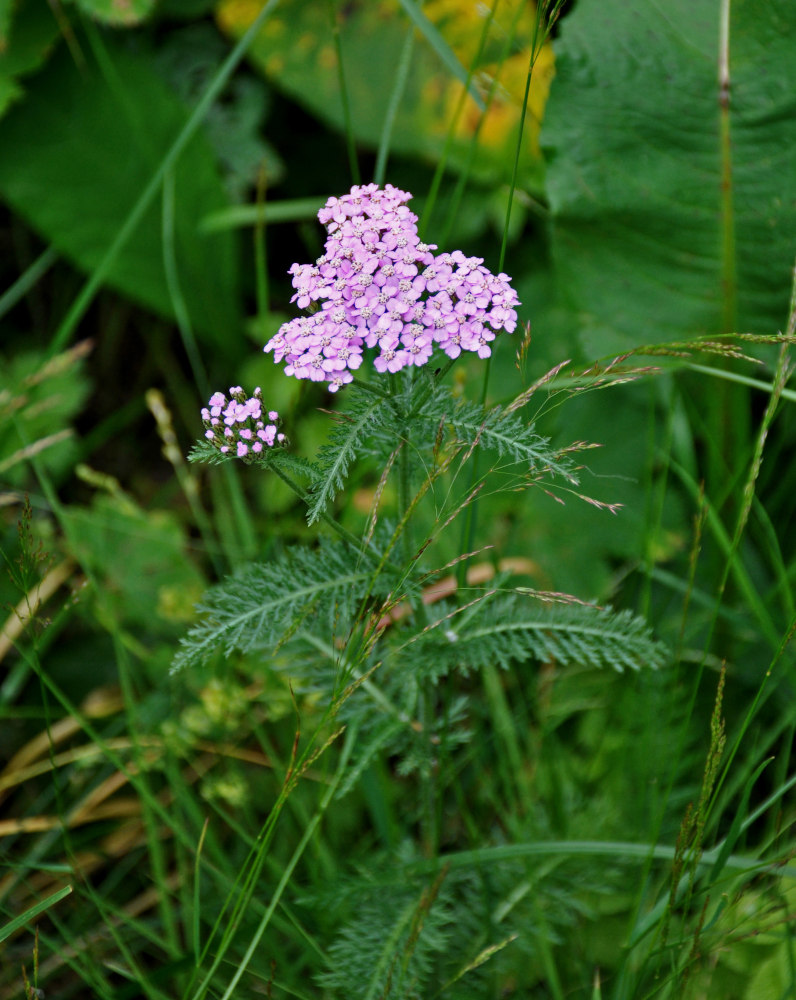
x=378, y=286
x=239, y=425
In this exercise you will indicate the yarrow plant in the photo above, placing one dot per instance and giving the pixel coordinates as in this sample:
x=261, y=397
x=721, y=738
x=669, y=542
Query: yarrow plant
x=239, y=425
x=378, y=286
x=368, y=619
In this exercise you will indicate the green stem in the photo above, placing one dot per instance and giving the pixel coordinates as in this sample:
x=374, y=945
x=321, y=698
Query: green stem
x=428, y=785
x=174, y=287
x=439, y=173
x=374, y=390
x=344, y=533
x=543, y=24
x=25, y=282
x=401, y=76
x=261, y=252
x=404, y=479
x=309, y=832
x=351, y=147
x=423, y=396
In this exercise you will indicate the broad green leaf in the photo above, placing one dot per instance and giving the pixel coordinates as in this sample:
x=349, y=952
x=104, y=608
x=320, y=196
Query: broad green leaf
x=296, y=51
x=671, y=216
x=86, y=142
x=38, y=402
x=139, y=560
x=28, y=32
x=5, y=22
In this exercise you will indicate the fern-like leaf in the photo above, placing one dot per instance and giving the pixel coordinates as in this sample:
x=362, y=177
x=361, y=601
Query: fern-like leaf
x=359, y=421
x=507, y=433
x=261, y=606
x=514, y=631
x=388, y=948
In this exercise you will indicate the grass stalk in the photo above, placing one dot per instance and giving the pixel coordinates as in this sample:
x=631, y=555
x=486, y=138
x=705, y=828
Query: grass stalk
x=401, y=77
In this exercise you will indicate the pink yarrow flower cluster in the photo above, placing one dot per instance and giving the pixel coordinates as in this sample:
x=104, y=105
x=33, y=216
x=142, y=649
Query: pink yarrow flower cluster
x=378, y=286
x=240, y=425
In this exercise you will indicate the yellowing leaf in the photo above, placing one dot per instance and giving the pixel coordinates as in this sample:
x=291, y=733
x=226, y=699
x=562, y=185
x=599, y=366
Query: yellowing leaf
x=295, y=50
x=123, y=13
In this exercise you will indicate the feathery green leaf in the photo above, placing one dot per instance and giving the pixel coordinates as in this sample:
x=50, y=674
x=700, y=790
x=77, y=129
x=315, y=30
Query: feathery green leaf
x=513, y=632
x=334, y=459
x=254, y=609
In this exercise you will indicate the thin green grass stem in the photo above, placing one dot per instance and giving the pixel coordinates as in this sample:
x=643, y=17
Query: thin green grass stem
x=437, y=43
x=134, y=112
x=119, y=928
x=747, y=496
x=429, y=779
x=756, y=703
x=655, y=493
x=428, y=812
x=150, y=192
x=132, y=775
x=544, y=937
x=92, y=973
x=261, y=251
x=510, y=756
x=542, y=25
x=155, y=844
x=733, y=563
x=191, y=347
x=188, y=482
x=18, y=922
x=246, y=882
x=348, y=126
x=338, y=529
x=65, y=830
x=240, y=216
x=309, y=832
x=754, y=383
x=727, y=422
x=404, y=497
x=772, y=542
x=28, y=280
x=401, y=77
x=464, y=176
x=630, y=851
x=246, y=543
x=782, y=788
x=439, y=172
x=470, y=522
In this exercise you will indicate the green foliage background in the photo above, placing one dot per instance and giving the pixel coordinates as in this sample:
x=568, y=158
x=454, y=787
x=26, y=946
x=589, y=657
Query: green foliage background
x=161, y=170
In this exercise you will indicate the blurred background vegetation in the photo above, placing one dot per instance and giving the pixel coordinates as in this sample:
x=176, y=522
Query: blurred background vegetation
x=162, y=164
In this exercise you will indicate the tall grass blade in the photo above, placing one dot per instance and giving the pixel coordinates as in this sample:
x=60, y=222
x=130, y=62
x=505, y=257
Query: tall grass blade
x=14, y=925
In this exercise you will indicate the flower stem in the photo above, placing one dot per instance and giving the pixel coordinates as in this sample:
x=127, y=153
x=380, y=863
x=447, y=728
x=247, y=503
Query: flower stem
x=423, y=396
x=374, y=390
x=344, y=533
x=428, y=785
